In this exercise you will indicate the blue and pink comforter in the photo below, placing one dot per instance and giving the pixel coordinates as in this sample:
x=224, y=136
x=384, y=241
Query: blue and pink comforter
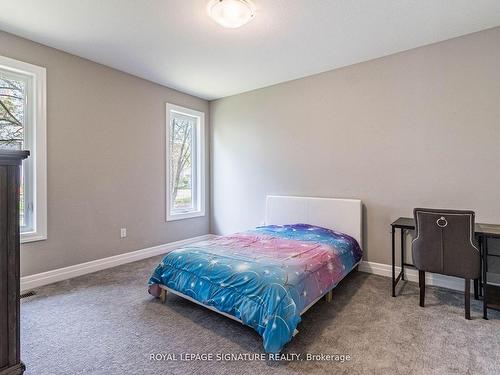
x=265, y=277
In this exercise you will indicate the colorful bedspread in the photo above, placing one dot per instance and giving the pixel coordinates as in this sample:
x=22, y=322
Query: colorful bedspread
x=265, y=277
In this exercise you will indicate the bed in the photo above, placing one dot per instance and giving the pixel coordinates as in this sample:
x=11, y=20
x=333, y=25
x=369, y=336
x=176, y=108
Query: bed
x=269, y=276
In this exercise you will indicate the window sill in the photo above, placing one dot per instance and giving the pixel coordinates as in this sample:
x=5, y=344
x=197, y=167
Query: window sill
x=32, y=237
x=187, y=215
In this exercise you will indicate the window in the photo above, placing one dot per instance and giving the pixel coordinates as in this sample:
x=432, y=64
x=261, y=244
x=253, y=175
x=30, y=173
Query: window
x=185, y=163
x=22, y=126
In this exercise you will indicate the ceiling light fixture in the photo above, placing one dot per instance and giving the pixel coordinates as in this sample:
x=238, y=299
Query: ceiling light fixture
x=231, y=13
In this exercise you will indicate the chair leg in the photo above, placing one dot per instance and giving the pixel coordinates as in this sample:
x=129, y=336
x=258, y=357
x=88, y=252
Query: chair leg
x=467, y=299
x=421, y=284
x=476, y=289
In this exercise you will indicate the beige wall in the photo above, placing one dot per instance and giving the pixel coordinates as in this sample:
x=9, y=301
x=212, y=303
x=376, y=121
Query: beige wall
x=419, y=128
x=106, y=160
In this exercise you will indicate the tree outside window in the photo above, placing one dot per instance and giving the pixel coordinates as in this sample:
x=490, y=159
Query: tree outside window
x=181, y=147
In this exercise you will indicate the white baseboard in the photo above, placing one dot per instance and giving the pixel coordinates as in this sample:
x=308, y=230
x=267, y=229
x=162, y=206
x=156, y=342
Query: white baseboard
x=49, y=277
x=443, y=281
x=40, y=279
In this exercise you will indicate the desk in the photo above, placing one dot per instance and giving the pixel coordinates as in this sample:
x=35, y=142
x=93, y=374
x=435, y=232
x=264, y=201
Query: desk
x=483, y=233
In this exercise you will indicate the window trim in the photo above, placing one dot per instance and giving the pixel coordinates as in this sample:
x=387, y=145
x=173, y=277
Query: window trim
x=39, y=133
x=200, y=162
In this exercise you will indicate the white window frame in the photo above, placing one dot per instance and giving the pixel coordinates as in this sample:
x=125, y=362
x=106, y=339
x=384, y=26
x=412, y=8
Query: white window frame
x=37, y=161
x=200, y=156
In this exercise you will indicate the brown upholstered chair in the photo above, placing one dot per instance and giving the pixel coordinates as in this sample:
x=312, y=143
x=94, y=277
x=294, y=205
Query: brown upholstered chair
x=444, y=244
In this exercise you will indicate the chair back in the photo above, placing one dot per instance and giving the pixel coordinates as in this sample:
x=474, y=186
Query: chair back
x=444, y=243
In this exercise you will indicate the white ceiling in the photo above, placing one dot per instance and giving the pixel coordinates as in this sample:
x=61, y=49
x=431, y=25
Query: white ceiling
x=174, y=43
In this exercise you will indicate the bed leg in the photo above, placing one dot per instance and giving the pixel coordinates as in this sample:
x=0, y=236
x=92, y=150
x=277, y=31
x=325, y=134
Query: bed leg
x=329, y=296
x=163, y=295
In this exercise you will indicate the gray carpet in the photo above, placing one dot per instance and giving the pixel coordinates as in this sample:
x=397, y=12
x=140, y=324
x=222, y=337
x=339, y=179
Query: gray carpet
x=106, y=323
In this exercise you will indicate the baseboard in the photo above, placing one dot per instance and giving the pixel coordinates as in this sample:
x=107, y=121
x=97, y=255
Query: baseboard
x=40, y=279
x=443, y=281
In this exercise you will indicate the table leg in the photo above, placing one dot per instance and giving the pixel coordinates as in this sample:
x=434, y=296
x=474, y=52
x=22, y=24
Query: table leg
x=485, y=278
x=393, y=262
x=480, y=244
x=402, y=254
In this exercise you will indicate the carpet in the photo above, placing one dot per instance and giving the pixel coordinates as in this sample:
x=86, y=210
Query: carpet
x=106, y=323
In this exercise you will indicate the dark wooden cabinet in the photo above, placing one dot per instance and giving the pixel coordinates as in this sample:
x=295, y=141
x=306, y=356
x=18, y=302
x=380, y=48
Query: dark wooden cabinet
x=10, y=361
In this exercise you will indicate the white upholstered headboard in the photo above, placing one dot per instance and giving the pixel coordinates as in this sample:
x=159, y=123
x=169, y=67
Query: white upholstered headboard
x=341, y=215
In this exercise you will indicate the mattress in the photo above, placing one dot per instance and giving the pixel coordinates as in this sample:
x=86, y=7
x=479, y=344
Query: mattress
x=264, y=277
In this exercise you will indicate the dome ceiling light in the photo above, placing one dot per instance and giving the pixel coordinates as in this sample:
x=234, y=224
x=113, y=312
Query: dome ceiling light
x=231, y=13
